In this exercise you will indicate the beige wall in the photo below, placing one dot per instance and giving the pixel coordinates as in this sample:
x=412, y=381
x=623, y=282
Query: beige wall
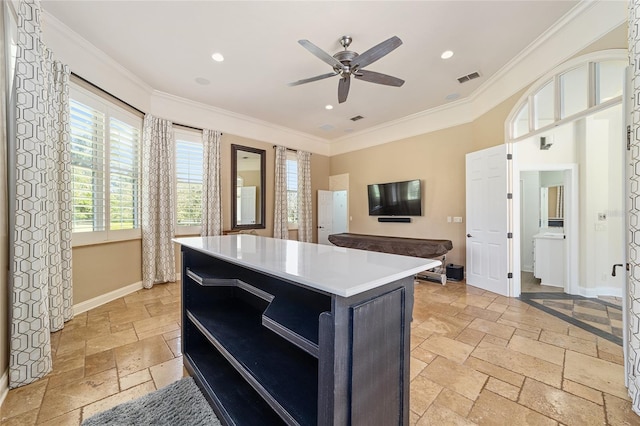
x=102, y=268
x=438, y=160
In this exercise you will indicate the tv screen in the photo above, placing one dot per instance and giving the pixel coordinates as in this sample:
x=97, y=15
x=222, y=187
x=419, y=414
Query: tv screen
x=395, y=199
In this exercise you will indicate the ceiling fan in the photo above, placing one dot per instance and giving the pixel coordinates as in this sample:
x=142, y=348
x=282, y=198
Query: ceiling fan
x=347, y=63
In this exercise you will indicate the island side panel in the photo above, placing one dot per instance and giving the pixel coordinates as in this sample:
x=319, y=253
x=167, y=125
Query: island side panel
x=377, y=360
x=391, y=316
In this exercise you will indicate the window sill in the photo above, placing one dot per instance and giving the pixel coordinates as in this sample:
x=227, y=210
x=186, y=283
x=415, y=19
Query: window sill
x=99, y=243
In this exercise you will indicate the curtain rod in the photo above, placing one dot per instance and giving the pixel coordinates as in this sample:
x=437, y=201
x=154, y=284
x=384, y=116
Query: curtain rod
x=127, y=103
x=291, y=149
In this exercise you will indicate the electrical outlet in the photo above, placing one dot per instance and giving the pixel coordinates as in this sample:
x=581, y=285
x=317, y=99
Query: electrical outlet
x=457, y=219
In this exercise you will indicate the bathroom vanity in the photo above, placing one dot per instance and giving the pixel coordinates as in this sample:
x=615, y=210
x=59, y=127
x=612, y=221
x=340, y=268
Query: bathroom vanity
x=549, y=258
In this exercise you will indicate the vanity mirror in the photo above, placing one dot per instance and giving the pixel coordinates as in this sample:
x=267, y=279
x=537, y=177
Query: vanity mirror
x=552, y=206
x=247, y=187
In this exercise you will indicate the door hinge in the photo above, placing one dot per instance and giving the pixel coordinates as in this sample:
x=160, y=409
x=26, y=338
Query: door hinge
x=629, y=138
x=509, y=156
x=509, y=234
x=510, y=275
x=509, y=195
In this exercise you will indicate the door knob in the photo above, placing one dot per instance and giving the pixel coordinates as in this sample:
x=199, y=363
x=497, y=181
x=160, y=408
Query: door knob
x=468, y=235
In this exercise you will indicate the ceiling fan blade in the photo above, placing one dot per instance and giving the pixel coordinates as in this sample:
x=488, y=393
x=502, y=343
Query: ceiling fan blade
x=376, y=52
x=321, y=54
x=343, y=89
x=379, y=78
x=309, y=80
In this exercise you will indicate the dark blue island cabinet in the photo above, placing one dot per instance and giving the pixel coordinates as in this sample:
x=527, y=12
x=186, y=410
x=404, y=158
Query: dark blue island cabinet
x=283, y=332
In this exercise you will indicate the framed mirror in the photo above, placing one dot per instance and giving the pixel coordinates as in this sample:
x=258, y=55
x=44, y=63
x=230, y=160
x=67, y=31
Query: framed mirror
x=247, y=187
x=552, y=206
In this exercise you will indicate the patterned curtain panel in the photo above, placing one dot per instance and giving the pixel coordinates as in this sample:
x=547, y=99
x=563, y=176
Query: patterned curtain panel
x=280, y=221
x=305, y=206
x=158, y=205
x=41, y=290
x=632, y=342
x=211, y=198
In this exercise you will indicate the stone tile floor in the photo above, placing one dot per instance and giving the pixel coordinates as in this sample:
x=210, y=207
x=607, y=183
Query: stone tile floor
x=477, y=358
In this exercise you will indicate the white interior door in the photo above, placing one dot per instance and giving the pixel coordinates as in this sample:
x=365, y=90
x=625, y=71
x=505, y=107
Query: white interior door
x=325, y=216
x=486, y=194
x=340, y=222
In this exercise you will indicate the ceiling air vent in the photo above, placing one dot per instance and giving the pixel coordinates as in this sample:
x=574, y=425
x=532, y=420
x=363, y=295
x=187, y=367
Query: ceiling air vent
x=356, y=118
x=468, y=77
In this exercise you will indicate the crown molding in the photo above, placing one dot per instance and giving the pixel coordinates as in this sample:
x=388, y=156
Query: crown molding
x=448, y=115
x=88, y=61
x=587, y=22
x=204, y=115
x=52, y=26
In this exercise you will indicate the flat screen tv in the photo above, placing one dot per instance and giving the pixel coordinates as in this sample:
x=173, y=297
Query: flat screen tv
x=395, y=199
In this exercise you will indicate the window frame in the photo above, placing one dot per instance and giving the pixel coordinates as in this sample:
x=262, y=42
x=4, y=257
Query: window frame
x=187, y=136
x=109, y=109
x=591, y=60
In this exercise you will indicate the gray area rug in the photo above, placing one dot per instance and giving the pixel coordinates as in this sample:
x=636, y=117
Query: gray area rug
x=180, y=403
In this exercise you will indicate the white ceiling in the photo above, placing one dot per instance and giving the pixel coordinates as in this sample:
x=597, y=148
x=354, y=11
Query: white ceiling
x=168, y=44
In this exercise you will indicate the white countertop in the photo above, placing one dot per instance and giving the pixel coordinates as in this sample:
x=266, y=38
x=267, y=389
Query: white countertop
x=550, y=235
x=337, y=270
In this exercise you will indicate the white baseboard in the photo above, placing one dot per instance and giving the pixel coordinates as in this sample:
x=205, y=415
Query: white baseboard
x=600, y=291
x=105, y=298
x=108, y=297
x=4, y=385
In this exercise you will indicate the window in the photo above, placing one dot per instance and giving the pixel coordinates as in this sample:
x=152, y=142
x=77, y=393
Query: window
x=574, y=91
x=292, y=189
x=521, y=123
x=189, y=170
x=570, y=91
x=105, y=170
x=543, y=107
x=124, y=175
x=610, y=76
x=87, y=167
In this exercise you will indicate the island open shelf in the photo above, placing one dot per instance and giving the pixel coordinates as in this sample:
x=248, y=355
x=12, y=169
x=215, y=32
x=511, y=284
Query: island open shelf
x=295, y=332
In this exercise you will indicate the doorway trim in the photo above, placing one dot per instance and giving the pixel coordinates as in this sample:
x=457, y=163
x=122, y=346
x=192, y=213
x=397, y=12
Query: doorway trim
x=572, y=253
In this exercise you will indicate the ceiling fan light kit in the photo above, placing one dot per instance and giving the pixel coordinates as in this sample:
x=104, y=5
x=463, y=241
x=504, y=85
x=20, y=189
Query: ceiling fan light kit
x=347, y=64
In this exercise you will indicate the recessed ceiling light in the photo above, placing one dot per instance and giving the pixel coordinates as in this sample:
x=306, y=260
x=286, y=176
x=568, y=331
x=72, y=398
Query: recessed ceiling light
x=202, y=81
x=328, y=107
x=446, y=54
x=452, y=96
x=217, y=57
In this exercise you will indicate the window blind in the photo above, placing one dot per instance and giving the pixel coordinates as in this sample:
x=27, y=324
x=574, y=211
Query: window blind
x=124, y=180
x=189, y=183
x=87, y=167
x=292, y=188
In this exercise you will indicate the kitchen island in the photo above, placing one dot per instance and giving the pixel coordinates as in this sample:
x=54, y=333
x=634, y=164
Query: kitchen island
x=283, y=332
